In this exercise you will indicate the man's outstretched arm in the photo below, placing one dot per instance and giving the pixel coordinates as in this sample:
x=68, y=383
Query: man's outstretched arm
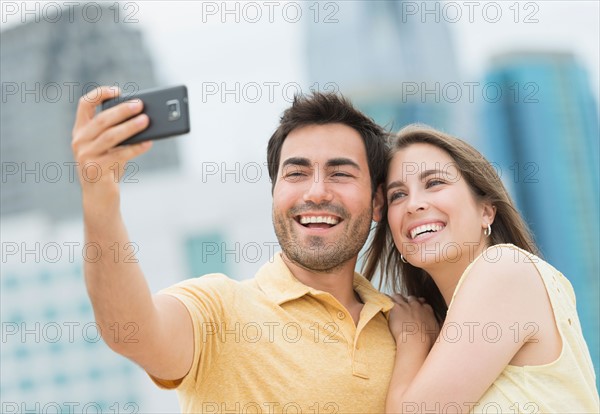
x=154, y=331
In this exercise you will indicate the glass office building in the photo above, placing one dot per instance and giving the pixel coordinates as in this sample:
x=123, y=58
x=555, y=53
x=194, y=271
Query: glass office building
x=394, y=66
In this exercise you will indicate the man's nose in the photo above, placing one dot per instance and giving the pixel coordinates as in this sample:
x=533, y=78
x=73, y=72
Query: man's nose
x=318, y=191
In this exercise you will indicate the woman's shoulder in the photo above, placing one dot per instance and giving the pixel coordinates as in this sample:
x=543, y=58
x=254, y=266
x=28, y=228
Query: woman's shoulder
x=507, y=255
x=504, y=262
x=502, y=270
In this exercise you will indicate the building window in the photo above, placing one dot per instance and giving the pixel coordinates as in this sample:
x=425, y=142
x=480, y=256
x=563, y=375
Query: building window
x=206, y=253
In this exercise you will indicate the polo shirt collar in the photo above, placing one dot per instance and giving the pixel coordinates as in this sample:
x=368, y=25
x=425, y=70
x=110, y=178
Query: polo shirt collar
x=278, y=282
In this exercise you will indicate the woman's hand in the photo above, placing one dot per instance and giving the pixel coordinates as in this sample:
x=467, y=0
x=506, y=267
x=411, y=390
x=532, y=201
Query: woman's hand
x=412, y=320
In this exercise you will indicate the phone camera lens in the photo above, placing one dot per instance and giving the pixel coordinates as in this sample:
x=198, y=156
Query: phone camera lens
x=174, y=111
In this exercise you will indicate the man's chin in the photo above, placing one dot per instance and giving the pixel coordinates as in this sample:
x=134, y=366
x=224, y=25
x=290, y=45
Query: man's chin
x=320, y=258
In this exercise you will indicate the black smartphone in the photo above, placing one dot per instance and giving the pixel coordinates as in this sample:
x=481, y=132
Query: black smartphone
x=167, y=109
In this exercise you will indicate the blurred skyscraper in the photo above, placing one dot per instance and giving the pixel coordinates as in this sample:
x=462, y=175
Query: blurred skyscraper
x=46, y=66
x=543, y=134
x=394, y=59
x=53, y=359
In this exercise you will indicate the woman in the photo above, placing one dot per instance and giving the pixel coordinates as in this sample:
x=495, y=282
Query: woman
x=495, y=328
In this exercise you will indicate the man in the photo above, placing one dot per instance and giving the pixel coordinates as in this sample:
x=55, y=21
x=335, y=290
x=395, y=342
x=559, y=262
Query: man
x=307, y=334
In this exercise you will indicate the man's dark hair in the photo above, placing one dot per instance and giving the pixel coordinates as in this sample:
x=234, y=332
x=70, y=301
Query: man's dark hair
x=330, y=108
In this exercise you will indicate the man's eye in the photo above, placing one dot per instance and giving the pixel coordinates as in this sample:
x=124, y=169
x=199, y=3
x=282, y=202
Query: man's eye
x=294, y=176
x=341, y=174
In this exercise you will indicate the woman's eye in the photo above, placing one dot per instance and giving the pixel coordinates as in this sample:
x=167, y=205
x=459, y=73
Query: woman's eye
x=432, y=183
x=396, y=195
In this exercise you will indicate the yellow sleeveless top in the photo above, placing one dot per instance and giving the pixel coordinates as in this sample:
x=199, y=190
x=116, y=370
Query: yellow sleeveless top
x=566, y=385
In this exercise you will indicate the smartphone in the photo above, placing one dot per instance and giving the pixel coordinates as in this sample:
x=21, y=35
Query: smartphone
x=167, y=109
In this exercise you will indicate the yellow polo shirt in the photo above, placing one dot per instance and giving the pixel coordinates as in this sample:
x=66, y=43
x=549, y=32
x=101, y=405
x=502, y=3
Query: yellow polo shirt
x=272, y=344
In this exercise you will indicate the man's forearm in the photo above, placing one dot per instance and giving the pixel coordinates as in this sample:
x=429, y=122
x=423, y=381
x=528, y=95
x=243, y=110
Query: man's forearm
x=120, y=295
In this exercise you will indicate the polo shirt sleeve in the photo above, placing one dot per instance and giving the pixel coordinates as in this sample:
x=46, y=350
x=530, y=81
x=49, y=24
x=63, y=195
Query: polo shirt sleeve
x=208, y=299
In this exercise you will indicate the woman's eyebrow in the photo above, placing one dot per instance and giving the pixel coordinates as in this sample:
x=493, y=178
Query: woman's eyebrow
x=394, y=184
x=422, y=176
x=427, y=173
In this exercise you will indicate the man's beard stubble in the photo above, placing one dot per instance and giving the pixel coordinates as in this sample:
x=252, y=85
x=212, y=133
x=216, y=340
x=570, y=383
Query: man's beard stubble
x=316, y=254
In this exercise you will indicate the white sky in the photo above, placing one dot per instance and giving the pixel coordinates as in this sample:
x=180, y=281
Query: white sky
x=196, y=44
x=274, y=52
x=562, y=25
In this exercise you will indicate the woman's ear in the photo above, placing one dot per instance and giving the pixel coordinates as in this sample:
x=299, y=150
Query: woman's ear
x=378, y=203
x=488, y=214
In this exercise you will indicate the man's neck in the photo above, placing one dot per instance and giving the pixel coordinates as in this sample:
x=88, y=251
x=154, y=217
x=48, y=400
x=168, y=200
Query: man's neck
x=338, y=282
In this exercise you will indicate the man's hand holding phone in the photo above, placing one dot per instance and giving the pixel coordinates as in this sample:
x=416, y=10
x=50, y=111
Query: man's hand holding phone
x=100, y=161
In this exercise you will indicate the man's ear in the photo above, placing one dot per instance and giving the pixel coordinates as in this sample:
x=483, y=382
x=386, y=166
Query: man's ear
x=378, y=203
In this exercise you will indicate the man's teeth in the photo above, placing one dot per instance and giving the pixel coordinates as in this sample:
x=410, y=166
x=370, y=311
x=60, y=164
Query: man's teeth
x=426, y=227
x=319, y=219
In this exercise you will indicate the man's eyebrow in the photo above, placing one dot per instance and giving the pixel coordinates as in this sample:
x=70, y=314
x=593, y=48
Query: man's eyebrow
x=339, y=162
x=331, y=163
x=297, y=161
x=422, y=176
